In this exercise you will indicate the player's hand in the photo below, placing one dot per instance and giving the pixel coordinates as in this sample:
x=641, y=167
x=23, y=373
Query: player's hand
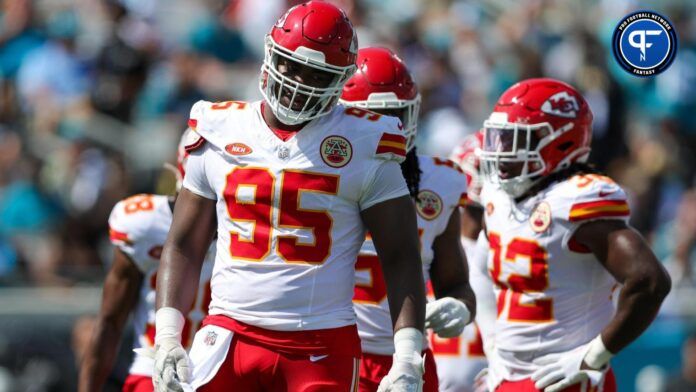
x=405, y=375
x=447, y=317
x=559, y=372
x=172, y=367
x=481, y=381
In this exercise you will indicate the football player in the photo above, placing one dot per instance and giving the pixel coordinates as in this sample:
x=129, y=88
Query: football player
x=138, y=227
x=290, y=184
x=559, y=242
x=384, y=85
x=461, y=358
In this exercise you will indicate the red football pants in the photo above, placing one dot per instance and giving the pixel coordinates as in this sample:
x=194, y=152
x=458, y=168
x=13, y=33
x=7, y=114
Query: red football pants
x=527, y=385
x=249, y=367
x=374, y=367
x=138, y=383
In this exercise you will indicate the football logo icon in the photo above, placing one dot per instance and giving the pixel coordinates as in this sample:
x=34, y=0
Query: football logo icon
x=541, y=217
x=644, y=43
x=429, y=204
x=336, y=151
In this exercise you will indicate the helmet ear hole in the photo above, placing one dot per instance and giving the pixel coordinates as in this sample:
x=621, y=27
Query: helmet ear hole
x=565, y=146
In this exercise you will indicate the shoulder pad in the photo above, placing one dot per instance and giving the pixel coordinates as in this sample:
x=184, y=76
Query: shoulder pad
x=207, y=118
x=191, y=140
x=131, y=218
x=596, y=197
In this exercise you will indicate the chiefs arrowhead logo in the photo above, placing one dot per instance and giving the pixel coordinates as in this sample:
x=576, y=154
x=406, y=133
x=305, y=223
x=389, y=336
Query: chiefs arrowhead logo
x=561, y=104
x=429, y=204
x=238, y=149
x=336, y=151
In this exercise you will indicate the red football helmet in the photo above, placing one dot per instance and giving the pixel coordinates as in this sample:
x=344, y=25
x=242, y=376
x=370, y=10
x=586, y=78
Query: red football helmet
x=314, y=34
x=382, y=82
x=538, y=126
x=465, y=156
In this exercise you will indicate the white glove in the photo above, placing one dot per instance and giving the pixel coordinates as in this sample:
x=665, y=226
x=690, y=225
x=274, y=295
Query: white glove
x=172, y=367
x=406, y=373
x=562, y=371
x=447, y=317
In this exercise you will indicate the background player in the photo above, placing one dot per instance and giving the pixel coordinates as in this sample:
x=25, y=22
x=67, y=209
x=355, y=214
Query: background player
x=559, y=243
x=138, y=228
x=460, y=359
x=294, y=181
x=384, y=85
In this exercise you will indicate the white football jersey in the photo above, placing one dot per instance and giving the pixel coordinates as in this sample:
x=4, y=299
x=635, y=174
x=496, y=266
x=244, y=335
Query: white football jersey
x=460, y=359
x=289, y=224
x=552, y=293
x=442, y=189
x=138, y=226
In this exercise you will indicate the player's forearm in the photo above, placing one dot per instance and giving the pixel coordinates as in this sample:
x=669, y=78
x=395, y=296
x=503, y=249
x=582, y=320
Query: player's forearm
x=175, y=286
x=100, y=355
x=639, y=303
x=405, y=291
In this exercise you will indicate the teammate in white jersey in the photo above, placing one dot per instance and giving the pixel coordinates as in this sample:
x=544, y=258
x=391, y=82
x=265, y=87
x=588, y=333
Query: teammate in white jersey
x=290, y=184
x=138, y=227
x=559, y=244
x=383, y=84
x=461, y=358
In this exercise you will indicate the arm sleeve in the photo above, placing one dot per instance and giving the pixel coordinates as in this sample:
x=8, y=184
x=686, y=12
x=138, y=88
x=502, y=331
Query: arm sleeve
x=385, y=183
x=196, y=179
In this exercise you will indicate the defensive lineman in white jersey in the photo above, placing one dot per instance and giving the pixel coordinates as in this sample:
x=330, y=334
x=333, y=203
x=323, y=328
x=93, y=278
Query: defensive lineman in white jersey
x=383, y=84
x=558, y=245
x=290, y=184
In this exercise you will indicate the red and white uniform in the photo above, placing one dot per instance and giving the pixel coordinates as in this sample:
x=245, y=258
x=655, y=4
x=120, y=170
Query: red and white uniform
x=138, y=226
x=552, y=294
x=460, y=359
x=289, y=225
x=442, y=189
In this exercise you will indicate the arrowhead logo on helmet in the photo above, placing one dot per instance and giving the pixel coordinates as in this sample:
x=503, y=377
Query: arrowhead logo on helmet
x=561, y=104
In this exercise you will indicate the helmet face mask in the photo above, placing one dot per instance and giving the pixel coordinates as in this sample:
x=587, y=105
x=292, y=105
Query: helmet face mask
x=314, y=39
x=510, y=155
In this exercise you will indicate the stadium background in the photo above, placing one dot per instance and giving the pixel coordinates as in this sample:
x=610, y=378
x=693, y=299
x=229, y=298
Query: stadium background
x=95, y=93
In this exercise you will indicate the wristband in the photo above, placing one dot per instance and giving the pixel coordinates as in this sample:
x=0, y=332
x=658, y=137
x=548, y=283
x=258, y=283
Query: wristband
x=169, y=323
x=597, y=354
x=408, y=342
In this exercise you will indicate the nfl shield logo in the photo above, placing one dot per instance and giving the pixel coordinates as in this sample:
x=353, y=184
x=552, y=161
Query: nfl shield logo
x=210, y=338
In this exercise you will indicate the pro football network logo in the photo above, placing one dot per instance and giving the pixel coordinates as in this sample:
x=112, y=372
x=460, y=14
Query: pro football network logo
x=336, y=151
x=429, y=205
x=644, y=43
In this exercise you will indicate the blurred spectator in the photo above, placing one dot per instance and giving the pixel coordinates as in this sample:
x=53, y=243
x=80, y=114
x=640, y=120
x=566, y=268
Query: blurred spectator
x=18, y=35
x=53, y=75
x=685, y=381
x=121, y=67
x=675, y=241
